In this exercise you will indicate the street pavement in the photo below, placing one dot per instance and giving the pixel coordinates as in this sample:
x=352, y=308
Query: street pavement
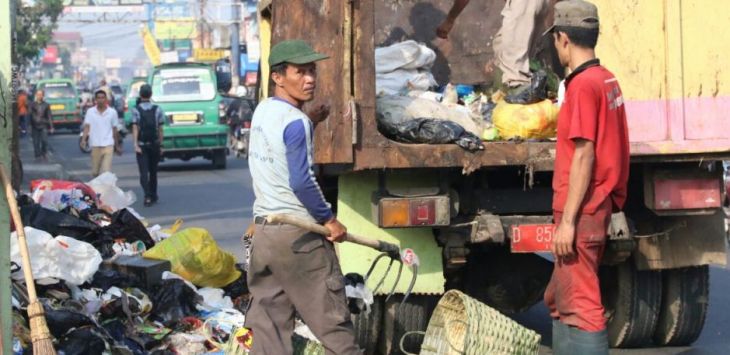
x=220, y=201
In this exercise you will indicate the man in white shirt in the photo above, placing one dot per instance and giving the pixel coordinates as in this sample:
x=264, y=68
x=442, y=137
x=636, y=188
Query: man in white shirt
x=100, y=131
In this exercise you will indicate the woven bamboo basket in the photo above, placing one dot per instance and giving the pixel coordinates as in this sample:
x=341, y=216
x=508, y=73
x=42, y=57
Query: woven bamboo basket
x=463, y=325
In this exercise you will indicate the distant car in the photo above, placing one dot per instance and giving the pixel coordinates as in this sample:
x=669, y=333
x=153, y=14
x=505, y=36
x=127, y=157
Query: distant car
x=119, y=101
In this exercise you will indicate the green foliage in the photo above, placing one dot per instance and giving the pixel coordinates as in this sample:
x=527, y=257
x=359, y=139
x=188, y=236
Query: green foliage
x=34, y=26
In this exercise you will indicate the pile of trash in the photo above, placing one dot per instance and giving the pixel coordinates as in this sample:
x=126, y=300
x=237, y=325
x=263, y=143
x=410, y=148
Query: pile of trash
x=109, y=284
x=411, y=108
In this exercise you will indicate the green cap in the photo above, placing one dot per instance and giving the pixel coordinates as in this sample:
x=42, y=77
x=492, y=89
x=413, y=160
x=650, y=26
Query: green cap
x=294, y=51
x=574, y=13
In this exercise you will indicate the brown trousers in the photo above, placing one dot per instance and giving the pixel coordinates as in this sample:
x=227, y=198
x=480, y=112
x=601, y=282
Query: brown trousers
x=515, y=38
x=293, y=271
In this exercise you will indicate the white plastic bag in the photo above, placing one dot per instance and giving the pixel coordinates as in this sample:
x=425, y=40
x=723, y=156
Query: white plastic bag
x=214, y=298
x=110, y=195
x=403, y=80
x=404, y=55
x=62, y=257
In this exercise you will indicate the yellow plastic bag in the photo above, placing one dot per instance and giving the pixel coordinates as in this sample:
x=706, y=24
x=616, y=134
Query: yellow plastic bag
x=535, y=121
x=196, y=257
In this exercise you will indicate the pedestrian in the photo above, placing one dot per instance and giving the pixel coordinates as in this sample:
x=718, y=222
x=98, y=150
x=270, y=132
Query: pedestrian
x=41, y=123
x=513, y=40
x=23, y=112
x=292, y=271
x=589, y=183
x=147, y=121
x=100, y=132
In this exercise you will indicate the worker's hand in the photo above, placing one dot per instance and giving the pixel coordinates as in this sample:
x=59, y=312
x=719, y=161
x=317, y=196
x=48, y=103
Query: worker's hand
x=337, y=231
x=250, y=230
x=118, y=149
x=563, y=241
x=51, y=130
x=444, y=28
x=319, y=113
x=137, y=149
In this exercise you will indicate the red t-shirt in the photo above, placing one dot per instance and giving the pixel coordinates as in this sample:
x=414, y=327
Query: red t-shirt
x=593, y=110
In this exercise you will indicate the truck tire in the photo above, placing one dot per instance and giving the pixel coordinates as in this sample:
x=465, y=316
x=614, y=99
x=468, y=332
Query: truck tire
x=684, y=305
x=219, y=159
x=632, y=299
x=399, y=319
x=368, y=326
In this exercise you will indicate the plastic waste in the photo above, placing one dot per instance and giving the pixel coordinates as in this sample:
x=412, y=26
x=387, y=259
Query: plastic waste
x=61, y=321
x=534, y=93
x=359, y=297
x=106, y=278
x=431, y=131
x=402, y=67
x=534, y=121
x=214, y=298
x=109, y=194
x=57, y=223
x=195, y=256
x=398, y=109
x=84, y=341
x=404, y=55
x=173, y=301
x=124, y=226
x=188, y=344
x=62, y=258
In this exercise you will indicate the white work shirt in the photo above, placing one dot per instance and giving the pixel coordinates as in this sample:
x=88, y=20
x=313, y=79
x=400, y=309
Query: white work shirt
x=101, y=126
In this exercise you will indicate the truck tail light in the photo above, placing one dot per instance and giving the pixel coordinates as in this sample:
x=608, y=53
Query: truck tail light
x=686, y=193
x=222, y=113
x=395, y=212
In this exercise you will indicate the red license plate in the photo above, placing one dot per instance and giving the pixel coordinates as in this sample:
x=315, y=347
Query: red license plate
x=531, y=238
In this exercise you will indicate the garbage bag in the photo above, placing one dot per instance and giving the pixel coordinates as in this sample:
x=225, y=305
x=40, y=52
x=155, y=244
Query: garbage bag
x=60, y=321
x=239, y=287
x=431, y=131
x=57, y=223
x=195, y=256
x=126, y=225
x=109, y=194
x=173, y=301
x=84, y=341
x=404, y=55
x=62, y=257
x=534, y=93
x=403, y=80
x=398, y=109
x=107, y=278
x=535, y=121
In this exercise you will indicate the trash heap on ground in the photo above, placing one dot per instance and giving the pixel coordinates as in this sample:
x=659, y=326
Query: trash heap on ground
x=110, y=284
x=412, y=108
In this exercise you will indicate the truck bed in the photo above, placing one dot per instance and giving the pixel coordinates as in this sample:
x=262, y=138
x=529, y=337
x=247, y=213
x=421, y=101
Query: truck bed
x=676, y=87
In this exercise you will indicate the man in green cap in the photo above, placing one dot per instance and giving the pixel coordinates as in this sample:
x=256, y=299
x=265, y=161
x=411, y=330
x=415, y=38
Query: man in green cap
x=292, y=271
x=589, y=181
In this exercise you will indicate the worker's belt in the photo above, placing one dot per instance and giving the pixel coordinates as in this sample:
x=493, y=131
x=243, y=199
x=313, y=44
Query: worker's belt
x=262, y=221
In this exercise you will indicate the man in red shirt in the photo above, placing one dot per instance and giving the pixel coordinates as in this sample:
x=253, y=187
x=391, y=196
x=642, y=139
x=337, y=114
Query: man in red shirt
x=589, y=182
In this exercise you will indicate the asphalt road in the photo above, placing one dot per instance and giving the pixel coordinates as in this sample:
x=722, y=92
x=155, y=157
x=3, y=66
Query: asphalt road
x=220, y=201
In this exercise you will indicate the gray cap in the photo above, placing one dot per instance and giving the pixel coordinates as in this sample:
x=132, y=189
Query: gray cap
x=574, y=13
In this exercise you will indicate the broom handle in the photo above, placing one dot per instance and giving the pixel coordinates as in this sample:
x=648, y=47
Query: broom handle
x=20, y=230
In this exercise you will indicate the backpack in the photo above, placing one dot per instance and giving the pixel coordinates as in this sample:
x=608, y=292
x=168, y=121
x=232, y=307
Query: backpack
x=148, y=125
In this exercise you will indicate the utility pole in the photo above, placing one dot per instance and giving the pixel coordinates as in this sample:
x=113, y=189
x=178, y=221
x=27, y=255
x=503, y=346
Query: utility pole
x=7, y=19
x=235, y=44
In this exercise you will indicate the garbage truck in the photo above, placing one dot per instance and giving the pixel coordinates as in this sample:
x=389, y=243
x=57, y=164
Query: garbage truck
x=479, y=220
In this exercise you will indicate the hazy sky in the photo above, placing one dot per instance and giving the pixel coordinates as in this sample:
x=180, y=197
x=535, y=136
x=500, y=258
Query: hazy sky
x=116, y=40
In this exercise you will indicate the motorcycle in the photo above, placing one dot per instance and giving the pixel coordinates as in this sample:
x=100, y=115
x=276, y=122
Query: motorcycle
x=239, y=143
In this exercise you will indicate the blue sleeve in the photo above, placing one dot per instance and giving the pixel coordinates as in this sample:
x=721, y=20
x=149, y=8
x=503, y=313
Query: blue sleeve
x=301, y=180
